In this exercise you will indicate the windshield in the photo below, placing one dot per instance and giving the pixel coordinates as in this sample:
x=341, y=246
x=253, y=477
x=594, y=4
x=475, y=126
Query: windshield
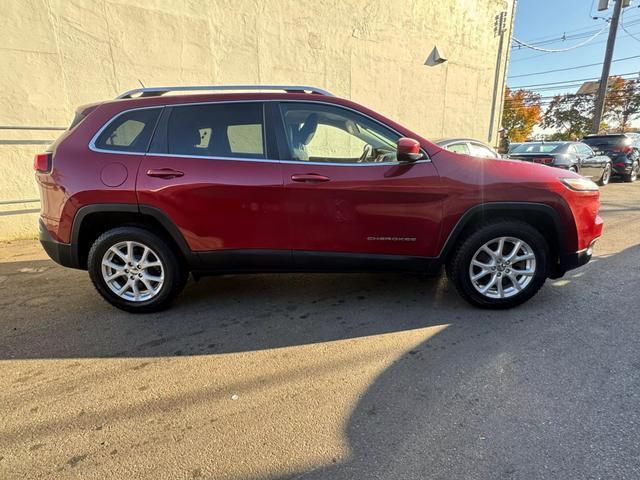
x=535, y=147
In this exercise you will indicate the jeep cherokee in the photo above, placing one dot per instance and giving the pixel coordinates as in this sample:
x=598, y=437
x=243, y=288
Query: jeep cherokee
x=142, y=190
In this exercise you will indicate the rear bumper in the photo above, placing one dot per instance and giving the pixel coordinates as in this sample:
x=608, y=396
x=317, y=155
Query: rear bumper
x=61, y=253
x=622, y=170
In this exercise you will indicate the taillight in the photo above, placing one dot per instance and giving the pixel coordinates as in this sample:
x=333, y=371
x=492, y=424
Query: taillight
x=627, y=149
x=543, y=160
x=620, y=164
x=42, y=162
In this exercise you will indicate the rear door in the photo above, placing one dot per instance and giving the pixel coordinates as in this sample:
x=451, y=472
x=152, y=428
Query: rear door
x=347, y=193
x=209, y=171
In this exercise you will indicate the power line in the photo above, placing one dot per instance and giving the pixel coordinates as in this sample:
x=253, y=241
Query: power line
x=571, y=68
x=563, y=37
x=581, y=46
x=533, y=47
x=625, y=29
x=545, y=37
x=571, y=81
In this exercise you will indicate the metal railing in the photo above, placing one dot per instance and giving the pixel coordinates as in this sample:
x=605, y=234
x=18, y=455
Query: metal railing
x=28, y=128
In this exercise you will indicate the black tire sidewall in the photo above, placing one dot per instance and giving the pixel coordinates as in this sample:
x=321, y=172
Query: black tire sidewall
x=172, y=269
x=473, y=242
x=635, y=167
x=605, y=180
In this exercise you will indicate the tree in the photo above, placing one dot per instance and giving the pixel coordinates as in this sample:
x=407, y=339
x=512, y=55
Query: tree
x=521, y=113
x=623, y=101
x=571, y=115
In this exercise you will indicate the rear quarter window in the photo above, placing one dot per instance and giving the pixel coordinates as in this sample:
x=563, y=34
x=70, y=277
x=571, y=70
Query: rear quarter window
x=130, y=131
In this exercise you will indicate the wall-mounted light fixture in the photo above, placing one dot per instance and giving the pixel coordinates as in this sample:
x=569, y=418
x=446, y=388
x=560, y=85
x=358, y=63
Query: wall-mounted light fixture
x=436, y=57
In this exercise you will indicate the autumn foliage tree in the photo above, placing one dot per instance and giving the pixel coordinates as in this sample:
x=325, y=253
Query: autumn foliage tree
x=571, y=115
x=623, y=102
x=521, y=113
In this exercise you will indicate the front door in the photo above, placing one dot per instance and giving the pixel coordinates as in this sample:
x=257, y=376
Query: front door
x=591, y=165
x=209, y=172
x=347, y=193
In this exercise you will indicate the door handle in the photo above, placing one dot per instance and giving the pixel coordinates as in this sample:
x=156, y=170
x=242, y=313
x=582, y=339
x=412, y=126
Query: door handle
x=164, y=173
x=309, y=178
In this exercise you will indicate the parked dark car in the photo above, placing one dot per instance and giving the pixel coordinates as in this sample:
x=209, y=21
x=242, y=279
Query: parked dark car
x=513, y=146
x=623, y=149
x=468, y=146
x=574, y=156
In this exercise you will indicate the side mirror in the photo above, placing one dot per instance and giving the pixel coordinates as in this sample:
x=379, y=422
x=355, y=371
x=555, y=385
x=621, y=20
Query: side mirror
x=408, y=150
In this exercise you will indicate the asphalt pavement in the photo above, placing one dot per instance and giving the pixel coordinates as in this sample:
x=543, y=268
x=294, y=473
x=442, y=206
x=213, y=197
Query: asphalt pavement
x=325, y=376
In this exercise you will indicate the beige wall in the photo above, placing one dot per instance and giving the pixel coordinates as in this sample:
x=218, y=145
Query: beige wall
x=58, y=54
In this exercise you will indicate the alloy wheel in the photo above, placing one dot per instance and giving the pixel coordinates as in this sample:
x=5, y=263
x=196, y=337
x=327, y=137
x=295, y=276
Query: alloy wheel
x=606, y=175
x=502, y=267
x=132, y=271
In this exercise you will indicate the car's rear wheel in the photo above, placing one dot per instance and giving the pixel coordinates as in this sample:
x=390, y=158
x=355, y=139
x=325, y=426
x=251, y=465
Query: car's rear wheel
x=500, y=265
x=633, y=175
x=606, y=175
x=135, y=270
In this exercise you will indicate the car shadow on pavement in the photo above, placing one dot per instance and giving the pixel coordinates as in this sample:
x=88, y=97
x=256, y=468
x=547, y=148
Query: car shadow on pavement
x=547, y=390
x=52, y=312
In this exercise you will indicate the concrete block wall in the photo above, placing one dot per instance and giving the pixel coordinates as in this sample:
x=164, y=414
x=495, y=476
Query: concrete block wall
x=58, y=54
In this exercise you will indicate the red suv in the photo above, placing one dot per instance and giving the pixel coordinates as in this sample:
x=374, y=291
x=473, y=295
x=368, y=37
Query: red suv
x=144, y=189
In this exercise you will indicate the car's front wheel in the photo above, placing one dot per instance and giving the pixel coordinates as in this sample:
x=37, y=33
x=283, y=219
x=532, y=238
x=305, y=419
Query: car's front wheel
x=500, y=265
x=135, y=269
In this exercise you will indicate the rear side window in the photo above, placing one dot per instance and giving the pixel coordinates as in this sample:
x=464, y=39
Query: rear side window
x=481, y=151
x=458, y=148
x=583, y=149
x=130, y=131
x=233, y=130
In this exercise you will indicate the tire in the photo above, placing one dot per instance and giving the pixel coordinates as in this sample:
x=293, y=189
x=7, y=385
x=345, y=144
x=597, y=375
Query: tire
x=573, y=169
x=460, y=270
x=606, y=175
x=155, y=286
x=633, y=176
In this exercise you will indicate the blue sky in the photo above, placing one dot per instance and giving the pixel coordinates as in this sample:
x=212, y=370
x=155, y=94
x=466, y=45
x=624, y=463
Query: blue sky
x=546, y=21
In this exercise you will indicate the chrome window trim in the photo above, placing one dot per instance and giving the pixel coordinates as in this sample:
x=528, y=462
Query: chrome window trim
x=93, y=147
x=271, y=160
x=94, y=139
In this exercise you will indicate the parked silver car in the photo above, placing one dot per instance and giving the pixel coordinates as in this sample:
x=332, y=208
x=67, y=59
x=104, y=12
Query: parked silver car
x=468, y=146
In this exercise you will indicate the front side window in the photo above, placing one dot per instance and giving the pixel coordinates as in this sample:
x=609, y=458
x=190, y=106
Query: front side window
x=330, y=134
x=130, y=131
x=232, y=130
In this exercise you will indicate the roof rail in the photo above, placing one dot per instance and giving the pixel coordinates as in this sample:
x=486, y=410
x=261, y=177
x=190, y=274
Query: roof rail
x=157, y=91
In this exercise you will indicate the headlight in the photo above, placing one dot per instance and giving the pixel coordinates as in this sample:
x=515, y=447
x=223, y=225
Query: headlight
x=579, y=184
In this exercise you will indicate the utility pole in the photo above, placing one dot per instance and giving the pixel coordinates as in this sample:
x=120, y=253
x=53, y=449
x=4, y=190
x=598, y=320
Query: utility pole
x=606, y=67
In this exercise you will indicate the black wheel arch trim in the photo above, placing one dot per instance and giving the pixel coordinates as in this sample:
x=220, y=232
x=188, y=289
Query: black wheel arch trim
x=162, y=218
x=485, y=209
